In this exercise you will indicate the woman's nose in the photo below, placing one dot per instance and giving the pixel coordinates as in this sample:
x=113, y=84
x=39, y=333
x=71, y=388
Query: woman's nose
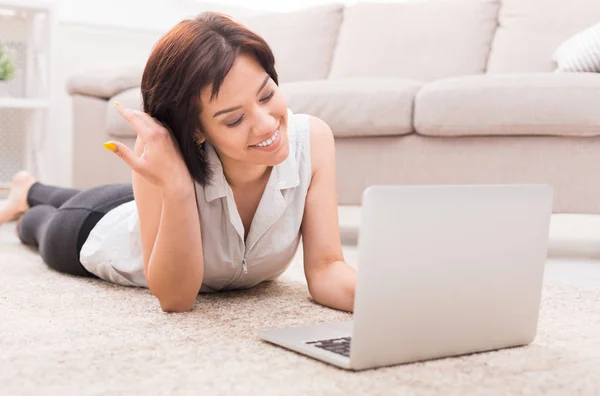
x=265, y=124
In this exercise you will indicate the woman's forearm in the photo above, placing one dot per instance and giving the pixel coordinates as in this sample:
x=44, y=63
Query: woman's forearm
x=176, y=266
x=335, y=286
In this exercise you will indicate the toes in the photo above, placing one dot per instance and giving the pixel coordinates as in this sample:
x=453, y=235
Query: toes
x=22, y=178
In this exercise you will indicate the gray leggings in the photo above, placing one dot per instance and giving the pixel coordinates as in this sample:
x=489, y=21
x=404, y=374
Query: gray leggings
x=60, y=220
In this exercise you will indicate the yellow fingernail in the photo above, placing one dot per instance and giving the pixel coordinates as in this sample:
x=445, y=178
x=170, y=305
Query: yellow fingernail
x=118, y=103
x=110, y=146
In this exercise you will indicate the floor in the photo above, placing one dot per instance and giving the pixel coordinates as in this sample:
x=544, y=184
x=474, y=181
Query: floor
x=63, y=335
x=67, y=335
x=573, y=253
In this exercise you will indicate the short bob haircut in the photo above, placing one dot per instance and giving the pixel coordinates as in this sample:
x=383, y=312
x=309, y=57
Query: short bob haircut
x=193, y=55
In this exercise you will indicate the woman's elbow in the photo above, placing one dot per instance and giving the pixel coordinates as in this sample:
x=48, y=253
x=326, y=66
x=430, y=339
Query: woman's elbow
x=170, y=300
x=176, y=302
x=176, y=306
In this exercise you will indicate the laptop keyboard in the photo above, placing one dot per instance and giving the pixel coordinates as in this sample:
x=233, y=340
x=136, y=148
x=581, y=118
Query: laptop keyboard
x=341, y=346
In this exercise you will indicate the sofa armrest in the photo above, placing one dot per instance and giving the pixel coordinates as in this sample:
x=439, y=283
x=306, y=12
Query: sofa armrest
x=106, y=83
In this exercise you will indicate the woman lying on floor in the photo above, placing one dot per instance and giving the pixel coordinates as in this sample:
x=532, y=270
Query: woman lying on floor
x=225, y=178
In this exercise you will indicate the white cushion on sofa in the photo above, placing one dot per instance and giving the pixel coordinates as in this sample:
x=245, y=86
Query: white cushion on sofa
x=421, y=40
x=529, y=32
x=580, y=53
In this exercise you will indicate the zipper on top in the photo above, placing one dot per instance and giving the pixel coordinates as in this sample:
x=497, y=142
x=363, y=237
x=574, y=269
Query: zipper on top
x=245, y=265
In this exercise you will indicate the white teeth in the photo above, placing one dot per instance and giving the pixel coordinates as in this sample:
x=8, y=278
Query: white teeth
x=270, y=140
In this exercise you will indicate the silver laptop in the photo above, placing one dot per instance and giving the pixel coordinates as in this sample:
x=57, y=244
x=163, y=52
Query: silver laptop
x=443, y=271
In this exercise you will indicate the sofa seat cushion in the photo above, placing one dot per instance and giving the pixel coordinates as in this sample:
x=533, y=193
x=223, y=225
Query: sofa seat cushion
x=510, y=104
x=357, y=107
x=116, y=125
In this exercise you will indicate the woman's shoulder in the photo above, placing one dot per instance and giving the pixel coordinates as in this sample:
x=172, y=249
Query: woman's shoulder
x=320, y=132
x=321, y=144
x=315, y=139
x=309, y=129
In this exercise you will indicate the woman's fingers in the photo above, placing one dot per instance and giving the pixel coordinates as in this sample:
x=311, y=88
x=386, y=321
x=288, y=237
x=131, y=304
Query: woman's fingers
x=121, y=150
x=135, y=119
x=147, y=119
x=148, y=128
x=151, y=133
x=154, y=127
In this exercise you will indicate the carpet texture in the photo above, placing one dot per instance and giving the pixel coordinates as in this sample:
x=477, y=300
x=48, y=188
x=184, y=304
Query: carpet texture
x=70, y=336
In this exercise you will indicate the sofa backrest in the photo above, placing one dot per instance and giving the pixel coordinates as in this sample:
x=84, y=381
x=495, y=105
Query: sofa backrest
x=422, y=40
x=302, y=41
x=530, y=31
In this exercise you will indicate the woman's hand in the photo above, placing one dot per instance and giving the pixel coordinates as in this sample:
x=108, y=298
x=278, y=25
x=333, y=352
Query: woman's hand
x=161, y=162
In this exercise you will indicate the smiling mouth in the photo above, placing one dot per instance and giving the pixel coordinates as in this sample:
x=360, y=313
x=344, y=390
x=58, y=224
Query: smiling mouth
x=269, y=141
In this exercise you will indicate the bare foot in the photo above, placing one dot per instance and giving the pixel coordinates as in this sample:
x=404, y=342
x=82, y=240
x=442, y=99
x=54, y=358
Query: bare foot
x=16, y=203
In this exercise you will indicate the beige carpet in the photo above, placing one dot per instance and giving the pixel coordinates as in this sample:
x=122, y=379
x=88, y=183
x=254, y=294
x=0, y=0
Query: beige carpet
x=64, y=335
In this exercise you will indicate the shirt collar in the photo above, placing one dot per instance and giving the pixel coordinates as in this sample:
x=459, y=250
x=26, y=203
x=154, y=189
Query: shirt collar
x=284, y=175
x=217, y=184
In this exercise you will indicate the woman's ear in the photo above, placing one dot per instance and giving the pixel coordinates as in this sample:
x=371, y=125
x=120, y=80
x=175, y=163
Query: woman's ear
x=200, y=138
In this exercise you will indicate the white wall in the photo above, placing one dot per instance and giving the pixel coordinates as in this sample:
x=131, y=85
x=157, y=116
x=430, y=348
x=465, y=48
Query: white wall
x=140, y=14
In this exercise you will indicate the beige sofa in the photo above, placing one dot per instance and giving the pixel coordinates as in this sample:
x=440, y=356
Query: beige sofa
x=439, y=92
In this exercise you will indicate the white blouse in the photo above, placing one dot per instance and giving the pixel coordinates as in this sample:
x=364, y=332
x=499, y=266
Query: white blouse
x=113, y=249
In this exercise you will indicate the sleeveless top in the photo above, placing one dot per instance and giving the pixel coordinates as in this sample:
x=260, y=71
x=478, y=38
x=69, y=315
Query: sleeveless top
x=113, y=250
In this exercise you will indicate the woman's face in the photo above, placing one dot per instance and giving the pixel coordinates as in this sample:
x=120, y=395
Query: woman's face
x=247, y=121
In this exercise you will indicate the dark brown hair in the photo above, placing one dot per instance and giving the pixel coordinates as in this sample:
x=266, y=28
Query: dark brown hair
x=192, y=55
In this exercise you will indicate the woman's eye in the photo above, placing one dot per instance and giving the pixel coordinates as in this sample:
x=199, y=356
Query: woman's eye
x=236, y=123
x=239, y=120
x=269, y=96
